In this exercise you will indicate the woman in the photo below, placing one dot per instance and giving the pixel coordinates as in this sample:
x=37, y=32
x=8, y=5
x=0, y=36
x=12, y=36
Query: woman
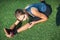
x=36, y=13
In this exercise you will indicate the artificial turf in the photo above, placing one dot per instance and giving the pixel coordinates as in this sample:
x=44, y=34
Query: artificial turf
x=49, y=30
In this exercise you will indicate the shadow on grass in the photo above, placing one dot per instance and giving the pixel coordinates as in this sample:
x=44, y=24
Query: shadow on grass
x=58, y=16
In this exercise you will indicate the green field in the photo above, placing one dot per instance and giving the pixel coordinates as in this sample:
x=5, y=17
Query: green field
x=42, y=31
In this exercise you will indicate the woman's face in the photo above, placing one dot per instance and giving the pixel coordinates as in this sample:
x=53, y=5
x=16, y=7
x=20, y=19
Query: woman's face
x=22, y=17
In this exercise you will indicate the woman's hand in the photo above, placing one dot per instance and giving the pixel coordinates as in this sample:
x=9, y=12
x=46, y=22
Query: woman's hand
x=32, y=23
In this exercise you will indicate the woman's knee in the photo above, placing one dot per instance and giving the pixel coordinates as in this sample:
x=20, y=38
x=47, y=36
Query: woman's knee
x=45, y=18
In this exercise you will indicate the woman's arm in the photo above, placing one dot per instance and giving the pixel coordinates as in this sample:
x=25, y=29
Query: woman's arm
x=13, y=25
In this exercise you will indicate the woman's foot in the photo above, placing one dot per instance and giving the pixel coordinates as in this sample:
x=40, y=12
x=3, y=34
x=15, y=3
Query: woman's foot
x=8, y=33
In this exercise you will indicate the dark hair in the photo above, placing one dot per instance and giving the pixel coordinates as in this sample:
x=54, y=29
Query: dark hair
x=19, y=11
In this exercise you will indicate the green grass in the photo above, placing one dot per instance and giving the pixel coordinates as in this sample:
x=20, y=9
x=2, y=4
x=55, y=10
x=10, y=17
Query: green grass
x=42, y=31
